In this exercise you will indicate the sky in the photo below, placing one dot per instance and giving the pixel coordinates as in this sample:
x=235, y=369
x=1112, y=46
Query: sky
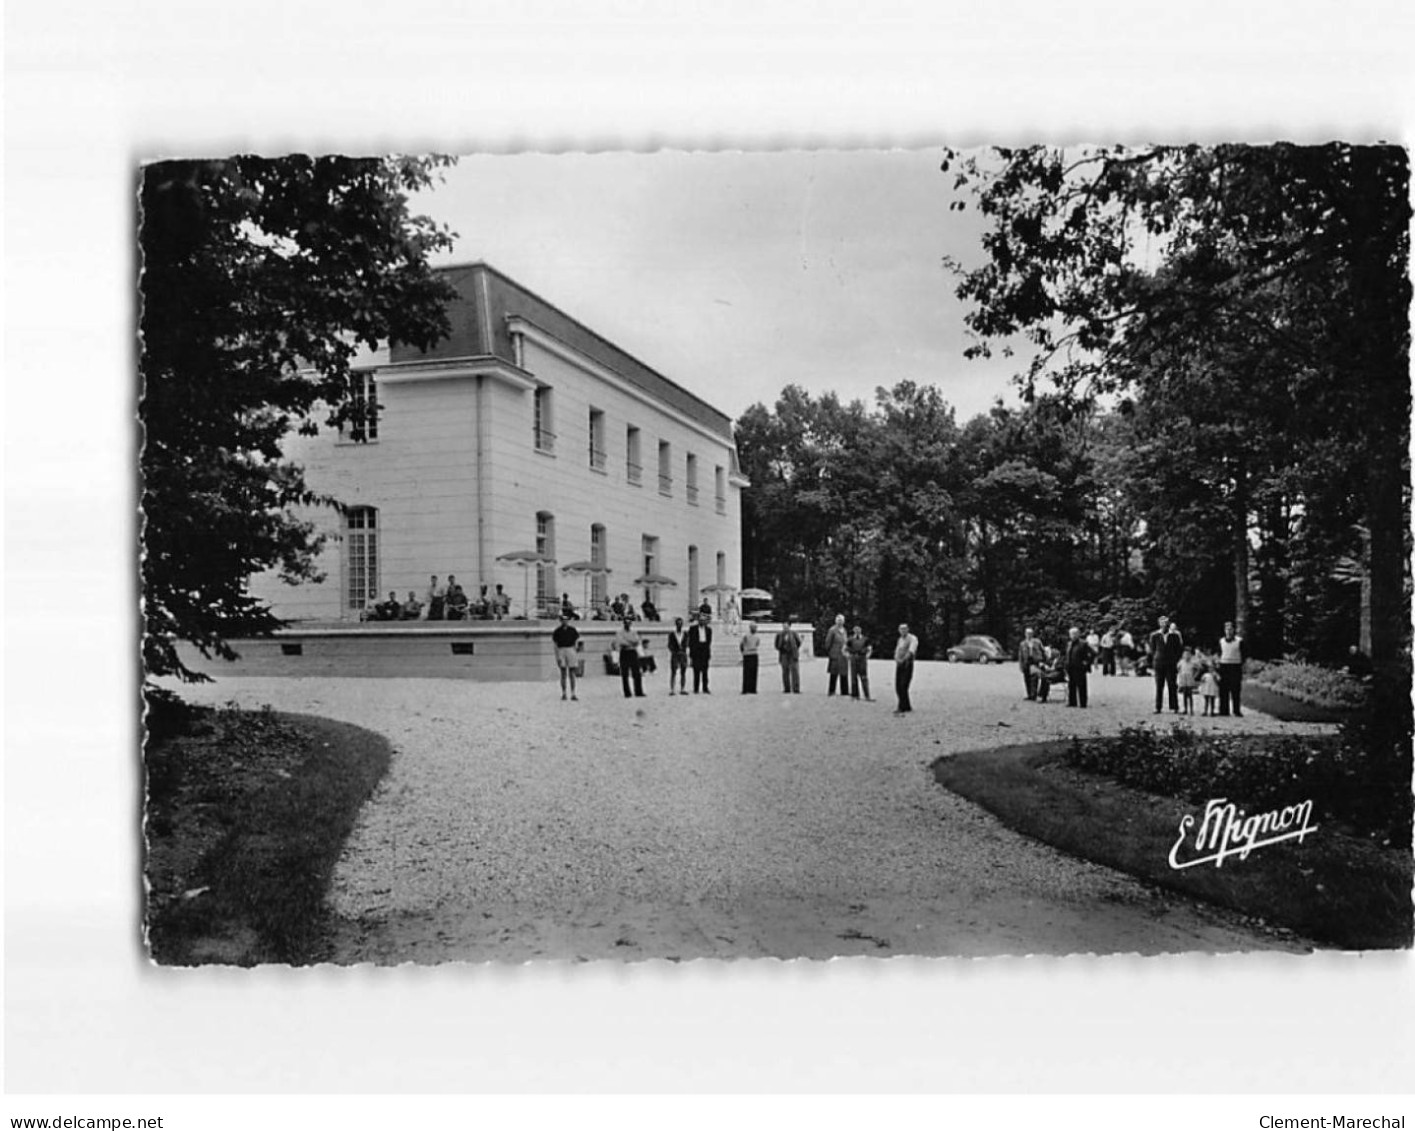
x=735, y=274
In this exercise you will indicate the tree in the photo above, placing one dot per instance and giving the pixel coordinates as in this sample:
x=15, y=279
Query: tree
x=1110, y=263
x=259, y=280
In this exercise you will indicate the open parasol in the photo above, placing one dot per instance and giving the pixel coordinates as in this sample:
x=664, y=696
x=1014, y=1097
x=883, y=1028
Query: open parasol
x=587, y=570
x=526, y=559
x=719, y=588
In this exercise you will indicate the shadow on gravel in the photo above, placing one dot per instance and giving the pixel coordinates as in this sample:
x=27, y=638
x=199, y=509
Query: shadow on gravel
x=1334, y=889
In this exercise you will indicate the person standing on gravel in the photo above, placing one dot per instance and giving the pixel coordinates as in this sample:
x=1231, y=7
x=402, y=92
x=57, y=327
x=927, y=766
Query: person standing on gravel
x=788, y=649
x=750, y=646
x=1079, y=658
x=1230, y=671
x=700, y=653
x=626, y=643
x=566, y=637
x=1030, y=657
x=678, y=657
x=859, y=650
x=904, y=653
x=836, y=662
x=1166, y=646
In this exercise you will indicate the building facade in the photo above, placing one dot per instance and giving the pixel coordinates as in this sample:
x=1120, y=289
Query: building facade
x=522, y=430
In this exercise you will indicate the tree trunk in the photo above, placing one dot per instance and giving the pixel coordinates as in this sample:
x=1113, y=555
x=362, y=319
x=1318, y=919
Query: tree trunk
x=1241, y=596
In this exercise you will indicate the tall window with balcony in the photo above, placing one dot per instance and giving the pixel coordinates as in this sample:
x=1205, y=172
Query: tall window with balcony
x=651, y=566
x=720, y=490
x=360, y=558
x=362, y=425
x=544, y=422
x=599, y=557
x=665, y=468
x=599, y=457
x=545, y=573
x=691, y=488
x=633, y=465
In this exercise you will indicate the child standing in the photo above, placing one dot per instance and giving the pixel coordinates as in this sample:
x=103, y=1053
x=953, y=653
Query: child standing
x=1208, y=688
x=1187, y=679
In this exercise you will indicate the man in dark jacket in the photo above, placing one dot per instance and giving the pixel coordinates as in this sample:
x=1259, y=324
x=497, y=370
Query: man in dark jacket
x=700, y=653
x=1079, y=658
x=1166, y=649
x=788, y=647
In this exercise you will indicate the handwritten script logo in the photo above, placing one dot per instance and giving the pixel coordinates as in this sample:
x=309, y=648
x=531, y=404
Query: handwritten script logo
x=1226, y=832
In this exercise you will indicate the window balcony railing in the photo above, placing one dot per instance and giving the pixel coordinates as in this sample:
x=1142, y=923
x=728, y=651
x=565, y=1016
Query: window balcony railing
x=634, y=471
x=665, y=484
x=545, y=440
x=598, y=458
x=721, y=504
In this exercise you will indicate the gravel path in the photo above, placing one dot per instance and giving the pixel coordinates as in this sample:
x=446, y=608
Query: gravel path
x=514, y=826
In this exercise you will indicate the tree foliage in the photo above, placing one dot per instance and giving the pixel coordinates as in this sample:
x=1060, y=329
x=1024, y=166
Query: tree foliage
x=260, y=279
x=1240, y=292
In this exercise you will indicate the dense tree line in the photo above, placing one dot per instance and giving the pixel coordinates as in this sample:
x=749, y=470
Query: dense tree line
x=1052, y=512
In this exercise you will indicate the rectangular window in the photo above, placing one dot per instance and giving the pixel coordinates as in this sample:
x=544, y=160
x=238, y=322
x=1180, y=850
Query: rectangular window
x=720, y=487
x=665, y=468
x=362, y=425
x=692, y=577
x=361, y=553
x=544, y=420
x=599, y=556
x=545, y=574
x=691, y=490
x=598, y=456
x=633, y=467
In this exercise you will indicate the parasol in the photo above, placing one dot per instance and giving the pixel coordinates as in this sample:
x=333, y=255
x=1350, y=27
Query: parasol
x=525, y=559
x=718, y=587
x=754, y=595
x=586, y=570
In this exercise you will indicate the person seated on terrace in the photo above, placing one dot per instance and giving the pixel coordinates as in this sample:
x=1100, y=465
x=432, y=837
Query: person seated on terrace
x=390, y=609
x=481, y=607
x=616, y=608
x=650, y=610
x=567, y=609
x=500, y=603
x=705, y=609
x=412, y=609
x=457, y=604
x=436, y=599
x=627, y=606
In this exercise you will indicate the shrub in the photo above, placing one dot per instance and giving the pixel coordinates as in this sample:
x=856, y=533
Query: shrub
x=1310, y=683
x=1342, y=781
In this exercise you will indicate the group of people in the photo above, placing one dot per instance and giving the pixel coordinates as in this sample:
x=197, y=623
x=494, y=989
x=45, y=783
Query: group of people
x=442, y=602
x=848, y=656
x=1180, y=672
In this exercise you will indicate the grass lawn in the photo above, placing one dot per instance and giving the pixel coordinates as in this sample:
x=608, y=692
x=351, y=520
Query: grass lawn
x=1335, y=889
x=247, y=814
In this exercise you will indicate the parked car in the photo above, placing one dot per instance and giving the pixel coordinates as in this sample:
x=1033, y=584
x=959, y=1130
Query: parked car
x=977, y=650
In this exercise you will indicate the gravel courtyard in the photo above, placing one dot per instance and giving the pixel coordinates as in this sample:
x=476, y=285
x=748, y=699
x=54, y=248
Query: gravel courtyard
x=515, y=826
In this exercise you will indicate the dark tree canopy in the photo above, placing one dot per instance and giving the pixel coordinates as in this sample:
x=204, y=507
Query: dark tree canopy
x=1273, y=277
x=259, y=280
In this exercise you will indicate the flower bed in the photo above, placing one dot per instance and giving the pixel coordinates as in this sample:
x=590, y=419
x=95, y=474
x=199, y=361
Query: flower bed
x=1310, y=683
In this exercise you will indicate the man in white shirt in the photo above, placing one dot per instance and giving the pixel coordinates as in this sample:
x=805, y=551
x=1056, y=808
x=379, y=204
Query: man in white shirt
x=1230, y=671
x=904, y=653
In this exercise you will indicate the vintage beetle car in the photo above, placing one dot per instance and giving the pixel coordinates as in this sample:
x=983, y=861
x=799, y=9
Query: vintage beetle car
x=977, y=650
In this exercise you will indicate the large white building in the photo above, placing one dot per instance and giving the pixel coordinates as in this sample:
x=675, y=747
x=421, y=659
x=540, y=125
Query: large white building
x=522, y=430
